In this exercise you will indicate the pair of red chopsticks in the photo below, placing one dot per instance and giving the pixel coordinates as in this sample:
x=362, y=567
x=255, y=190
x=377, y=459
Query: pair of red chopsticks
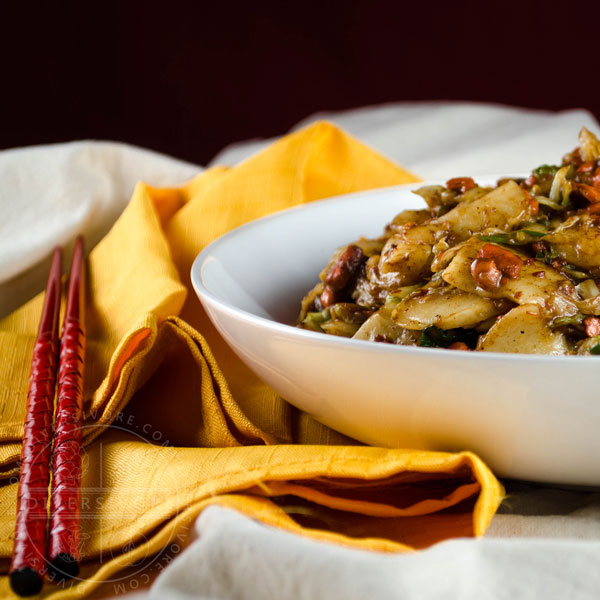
x=37, y=547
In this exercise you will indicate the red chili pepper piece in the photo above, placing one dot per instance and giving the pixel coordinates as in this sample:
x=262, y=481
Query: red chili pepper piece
x=586, y=166
x=64, y=550
x=590, y=193
x=460, y=184
x=28, y=561
x=530, y=181
x=558, y=263
x=508, y=263
x=534, y=206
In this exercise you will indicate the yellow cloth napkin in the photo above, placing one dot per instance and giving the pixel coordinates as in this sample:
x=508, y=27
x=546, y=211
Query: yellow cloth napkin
x=174, y=421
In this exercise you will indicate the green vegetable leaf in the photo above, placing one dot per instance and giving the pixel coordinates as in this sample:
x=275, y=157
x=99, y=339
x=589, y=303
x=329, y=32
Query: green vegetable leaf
x=595, y=349
x=314, y=320
x=573, y=272
x=497, y=238
x=575, y=321
x=514, y=238
x=545, y=170
x=400, y=294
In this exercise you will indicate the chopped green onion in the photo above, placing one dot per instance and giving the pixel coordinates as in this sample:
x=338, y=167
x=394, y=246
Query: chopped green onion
x=573, y=272
x=575, y=320
x=437, y=279
x=400, y=294
x=545, y=170
x=514, y=238
x=547, y=256
x=314, y=320
x=533, y=233
x=348, y=312
x=497, y=238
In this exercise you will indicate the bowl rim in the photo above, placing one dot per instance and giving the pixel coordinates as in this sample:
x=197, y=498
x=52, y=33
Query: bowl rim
x=204, y=294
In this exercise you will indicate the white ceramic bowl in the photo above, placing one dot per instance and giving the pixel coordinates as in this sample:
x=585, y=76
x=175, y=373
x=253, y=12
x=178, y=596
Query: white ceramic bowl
x=529, y=417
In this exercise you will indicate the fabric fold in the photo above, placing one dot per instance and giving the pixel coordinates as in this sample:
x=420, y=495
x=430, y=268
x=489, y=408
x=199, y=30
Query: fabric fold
x=174, y=421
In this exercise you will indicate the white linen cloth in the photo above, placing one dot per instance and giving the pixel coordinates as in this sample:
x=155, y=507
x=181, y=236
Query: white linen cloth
x=439, y=140
x=236, y=558
x=50, y=194
x=544, y=543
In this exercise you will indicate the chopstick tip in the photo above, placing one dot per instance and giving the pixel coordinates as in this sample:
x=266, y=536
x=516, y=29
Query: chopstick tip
x=26, y=582
x=63, y=567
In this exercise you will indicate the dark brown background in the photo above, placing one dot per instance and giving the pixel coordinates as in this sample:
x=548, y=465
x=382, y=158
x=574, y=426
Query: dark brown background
x=186, y=78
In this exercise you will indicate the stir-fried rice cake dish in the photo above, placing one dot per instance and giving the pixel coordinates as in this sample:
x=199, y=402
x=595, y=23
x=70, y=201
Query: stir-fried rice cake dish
x=510, y=268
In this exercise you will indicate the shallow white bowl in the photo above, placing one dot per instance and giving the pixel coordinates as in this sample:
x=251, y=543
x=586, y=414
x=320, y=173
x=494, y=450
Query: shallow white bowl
x=529, y=417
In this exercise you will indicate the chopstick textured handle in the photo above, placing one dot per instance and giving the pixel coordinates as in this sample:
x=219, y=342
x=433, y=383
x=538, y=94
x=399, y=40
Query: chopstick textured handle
x=66, y=495
x=30, y=534
x=29, y=552
x=64, y=544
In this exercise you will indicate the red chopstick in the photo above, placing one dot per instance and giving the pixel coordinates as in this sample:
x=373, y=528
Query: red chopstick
x=29, y=553
x=63, y=549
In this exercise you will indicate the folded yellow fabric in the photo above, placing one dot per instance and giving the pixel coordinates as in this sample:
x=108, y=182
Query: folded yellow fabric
x=174, y=421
